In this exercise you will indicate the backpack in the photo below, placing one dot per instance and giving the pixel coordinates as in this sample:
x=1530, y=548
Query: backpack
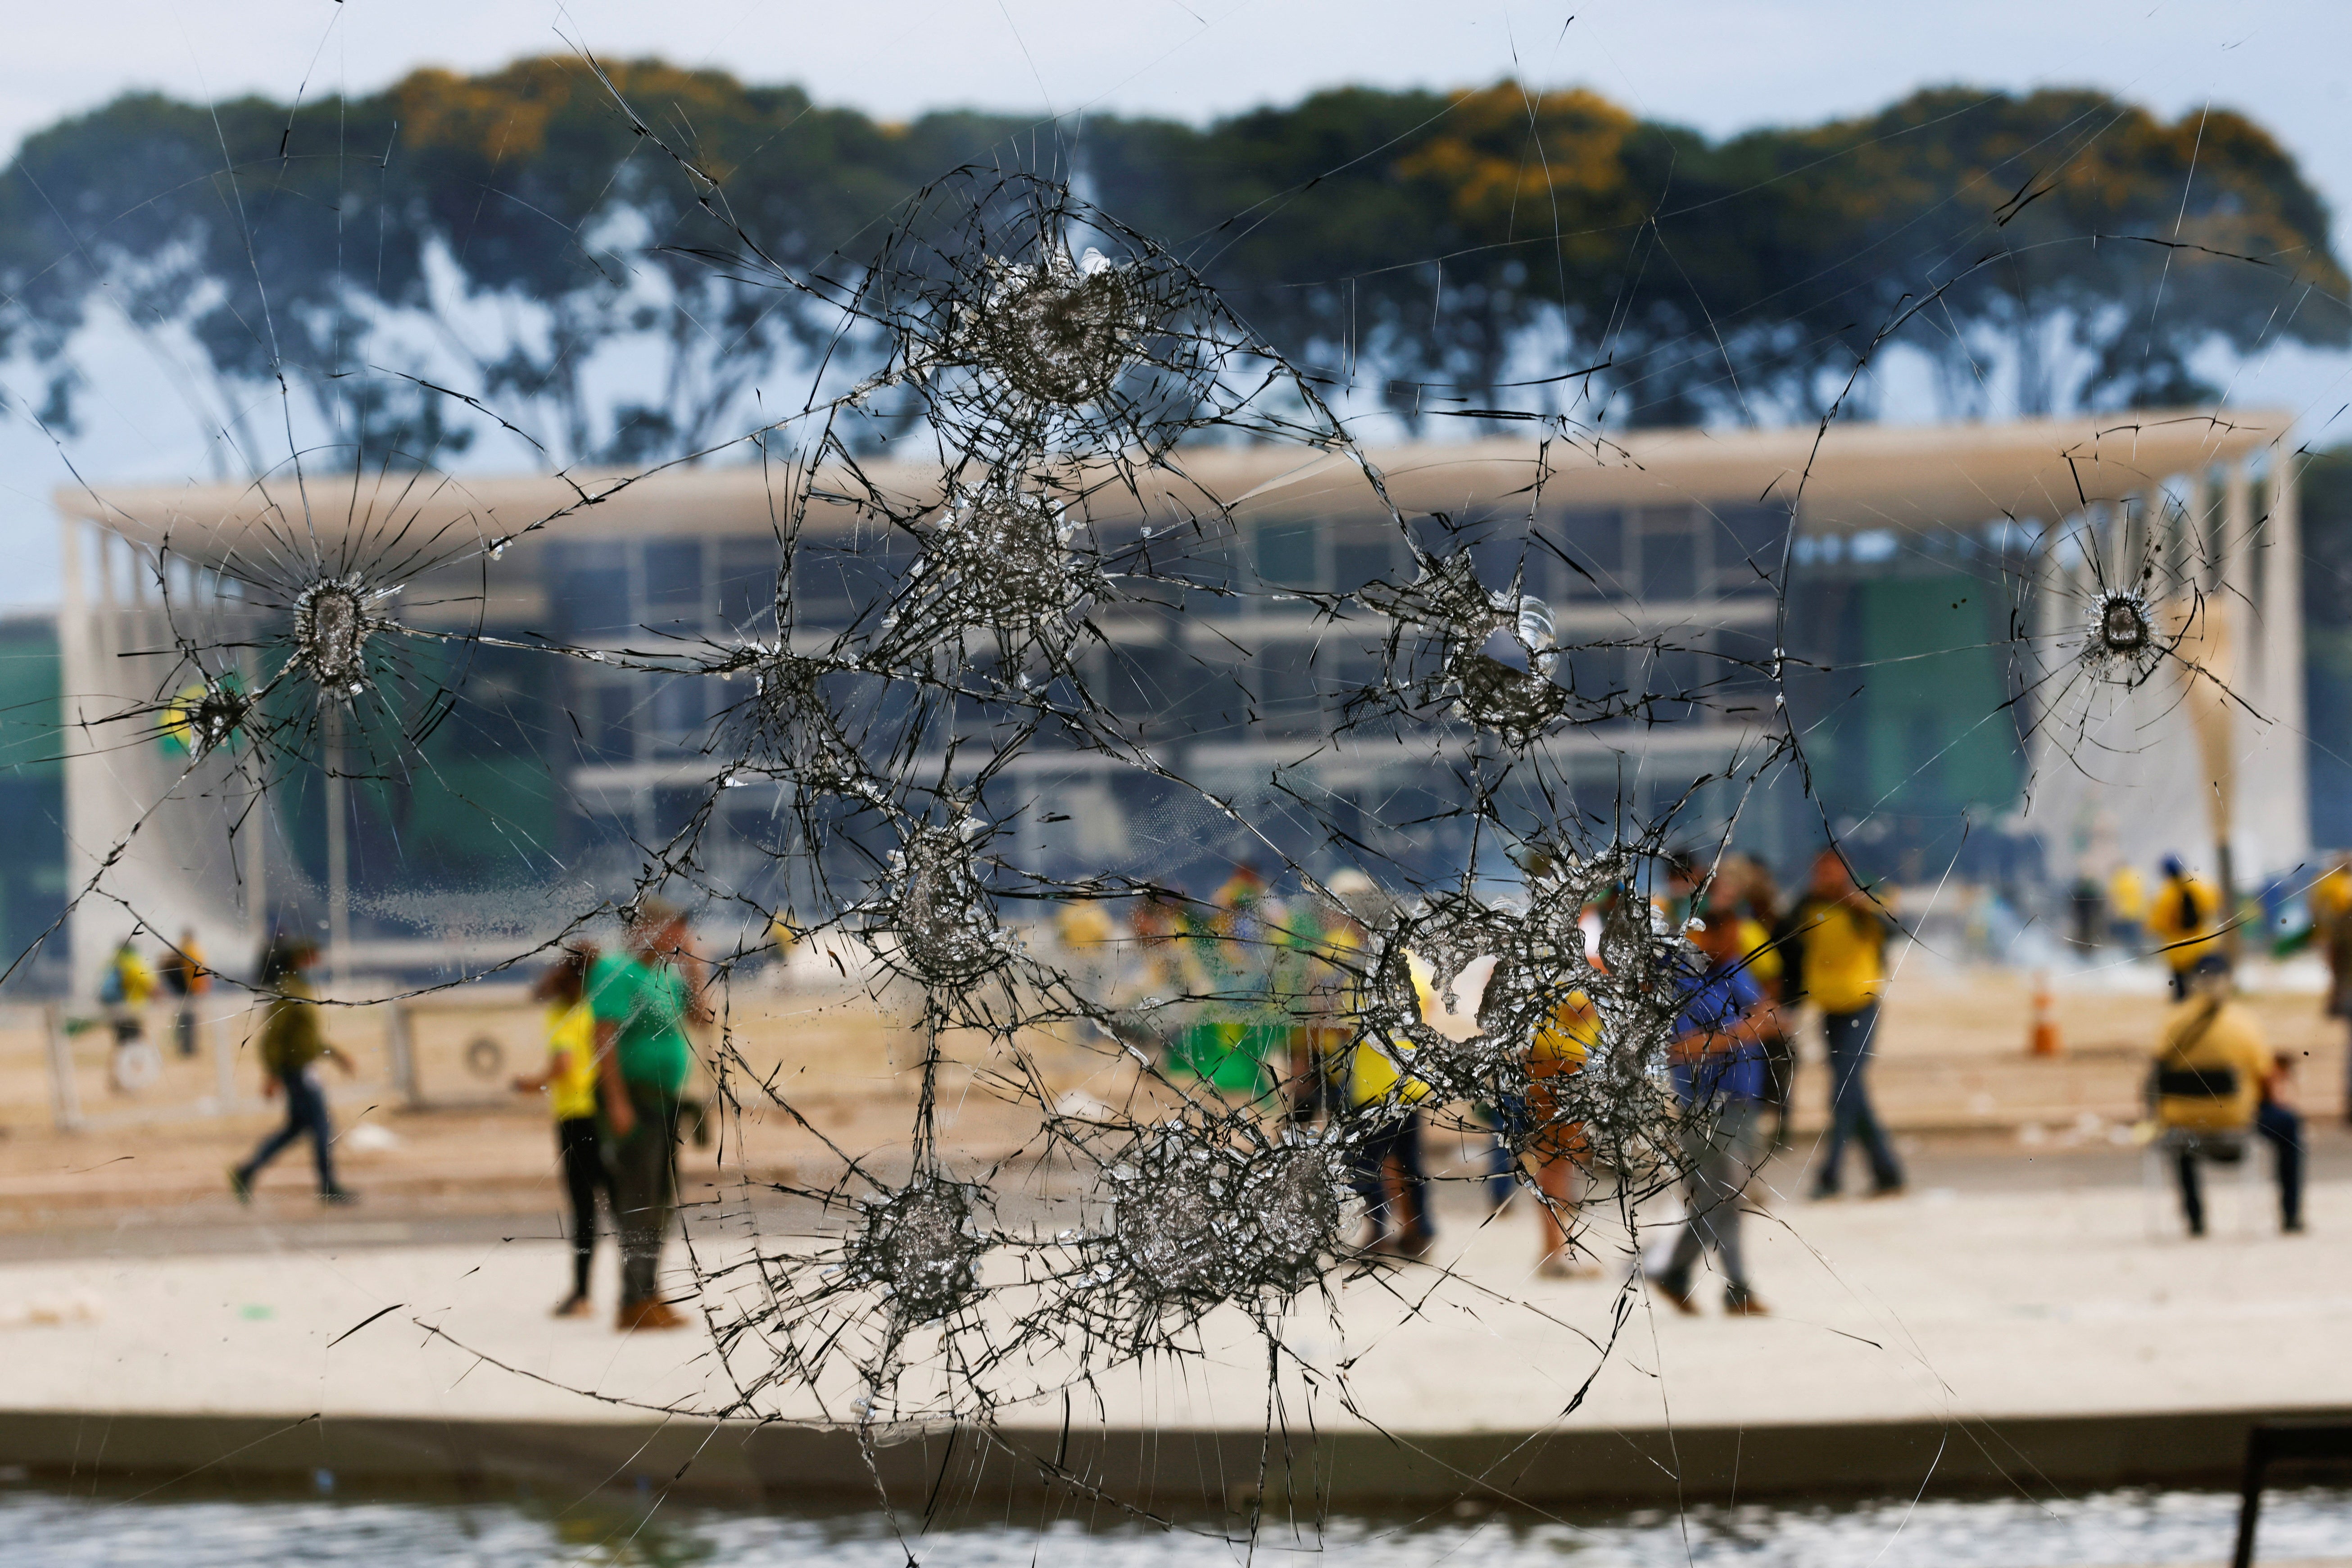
x=110, y=989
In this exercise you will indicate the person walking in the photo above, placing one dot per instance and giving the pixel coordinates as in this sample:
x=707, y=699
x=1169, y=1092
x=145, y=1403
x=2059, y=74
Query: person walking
x=569, y=1079
x=1718, y=1061
x=641, y=1000
x=187, y=978
x=2183, y=921
x=1844, y=973
x=2215, y=1082
x=291, y=1048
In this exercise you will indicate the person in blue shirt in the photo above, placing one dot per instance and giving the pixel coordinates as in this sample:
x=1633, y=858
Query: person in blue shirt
x=1719, y=1074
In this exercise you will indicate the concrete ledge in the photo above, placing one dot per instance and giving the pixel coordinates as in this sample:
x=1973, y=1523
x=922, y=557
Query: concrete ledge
x=1178, y=1471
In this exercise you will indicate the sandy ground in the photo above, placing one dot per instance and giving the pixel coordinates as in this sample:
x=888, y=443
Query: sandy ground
x=2033, y=1268
x=2069, y=1297
x=1952, y=1057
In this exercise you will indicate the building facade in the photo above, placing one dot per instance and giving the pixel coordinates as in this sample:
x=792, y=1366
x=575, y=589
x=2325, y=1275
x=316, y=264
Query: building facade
x=1923, y=594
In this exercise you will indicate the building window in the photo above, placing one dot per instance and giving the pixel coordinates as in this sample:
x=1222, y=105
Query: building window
x=747, y=585
x=1361, y=556
x=1590, y=562
x=1287, y=554
x=592, y=588
x=672, y=569
x=1673, y=553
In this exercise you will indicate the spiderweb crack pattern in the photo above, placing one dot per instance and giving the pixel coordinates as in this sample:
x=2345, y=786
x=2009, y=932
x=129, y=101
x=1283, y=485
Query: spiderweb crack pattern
x=1017, y=500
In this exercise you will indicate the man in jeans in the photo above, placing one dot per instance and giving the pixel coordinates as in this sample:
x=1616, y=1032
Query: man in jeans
x=1718, y=1069
x=641, y=1000
x=1842, y=938
x=291, y=1049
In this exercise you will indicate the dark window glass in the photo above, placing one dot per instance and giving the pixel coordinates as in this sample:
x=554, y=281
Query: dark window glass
x=610, y=723
x=1595, y=542
x=1365, y=558
x=594, y=601
x=1670, y=554
x=840, y=579
x=1596, y=675
x=673, y=573
x=673, y=808
x=1748, y=547
x=1288, y=704
x=1286, y=554
x=1673, y=679
x=679, y=708
x=747, y=584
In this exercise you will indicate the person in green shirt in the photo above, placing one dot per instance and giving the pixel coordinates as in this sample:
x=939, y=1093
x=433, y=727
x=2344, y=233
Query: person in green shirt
x=290, y=1048
x=642, y=999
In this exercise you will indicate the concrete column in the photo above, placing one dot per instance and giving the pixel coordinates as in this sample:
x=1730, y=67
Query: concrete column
x=2185, y=538
x=2234, y=580
x=2285, y=819
x=2054, y=616
x=89, y=933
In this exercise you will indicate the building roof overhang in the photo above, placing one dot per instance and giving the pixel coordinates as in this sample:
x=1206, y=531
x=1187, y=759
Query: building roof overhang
x=1845, y=478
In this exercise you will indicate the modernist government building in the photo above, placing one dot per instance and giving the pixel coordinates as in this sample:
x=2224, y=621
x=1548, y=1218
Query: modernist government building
x=1935, y=591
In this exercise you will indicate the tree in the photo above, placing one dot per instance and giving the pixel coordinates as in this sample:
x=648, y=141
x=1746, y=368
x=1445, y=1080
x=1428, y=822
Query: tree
x=614, y=261
x=2085, y=251
x=512, y=235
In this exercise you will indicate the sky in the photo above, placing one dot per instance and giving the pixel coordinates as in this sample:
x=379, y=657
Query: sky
x=1719, y=66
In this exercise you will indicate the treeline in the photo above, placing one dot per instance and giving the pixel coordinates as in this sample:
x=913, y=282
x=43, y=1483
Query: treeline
x=511, y=235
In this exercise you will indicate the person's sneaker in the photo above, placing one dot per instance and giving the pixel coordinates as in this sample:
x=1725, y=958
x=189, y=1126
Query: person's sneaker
x=660, y=1314
x=1887, y=1190
x=575, y=1306
x=1678, y=1294
x=1568, y=1264
x=2292, y=1227
x=240, y=1183
x=339, y=1196
x=1822, y=1194
x=629, y=1315
x=1739, y=1303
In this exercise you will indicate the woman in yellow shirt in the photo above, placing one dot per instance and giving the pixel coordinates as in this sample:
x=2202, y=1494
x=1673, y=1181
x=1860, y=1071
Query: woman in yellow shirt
x=570, y=1080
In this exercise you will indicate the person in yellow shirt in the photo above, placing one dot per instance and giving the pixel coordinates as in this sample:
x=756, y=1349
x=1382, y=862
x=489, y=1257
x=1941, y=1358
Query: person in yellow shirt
x=2331, y=932
x=2127, y=908
x=1841, y=941
x=1388, y=1174
x=124, y=988
x=2212, y=1087
x=569, y=1079
x=2184, y=921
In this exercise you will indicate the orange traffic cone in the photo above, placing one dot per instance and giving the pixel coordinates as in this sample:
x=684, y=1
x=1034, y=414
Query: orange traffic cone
x=2045, y=1041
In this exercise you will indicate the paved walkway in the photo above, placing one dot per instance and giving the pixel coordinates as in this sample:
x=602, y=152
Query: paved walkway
x=1945, y=1303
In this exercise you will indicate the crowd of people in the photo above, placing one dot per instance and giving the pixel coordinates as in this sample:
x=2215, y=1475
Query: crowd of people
x=1281, y=1031
x=1273, y=1022
x=617, y=1065
x=127, y=989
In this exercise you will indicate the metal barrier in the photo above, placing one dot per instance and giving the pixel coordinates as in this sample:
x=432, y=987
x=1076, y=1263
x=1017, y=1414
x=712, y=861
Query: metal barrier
x=63, y=1061
x=2301, y=1444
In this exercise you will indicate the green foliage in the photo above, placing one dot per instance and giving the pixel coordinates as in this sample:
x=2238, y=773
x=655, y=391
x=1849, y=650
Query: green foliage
x=517, y=223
